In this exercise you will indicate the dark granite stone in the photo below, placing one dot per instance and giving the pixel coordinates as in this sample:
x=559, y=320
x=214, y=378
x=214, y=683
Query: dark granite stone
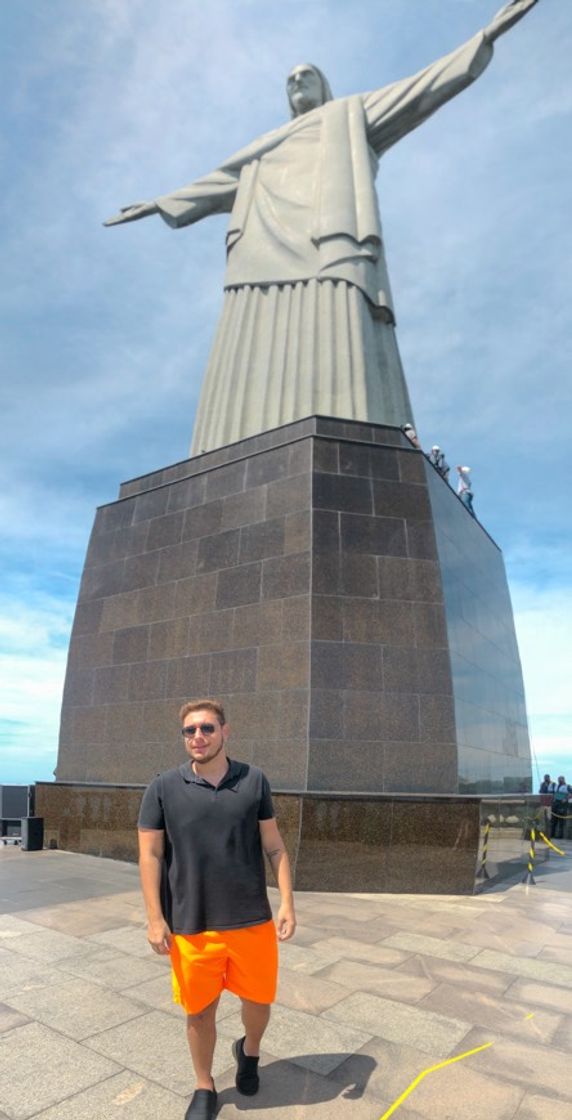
x=198, y=593
x=103, y=580
x=187, y=493
x=257, y=624
x=111, y=685
x=148, y=681
x=211, y=631
x=326, y=713
x=189, y=676
x=296, y=618
x=287, y=495
x=400, y=669
x=384, y=716
x=236, y=586
x=265, y=538
x=114, y=516
x=283, y=666
x=348, y=665
x=87, y=617
x=165, y=530
x=327, y=618
x=268, y=466
x=342, y=492
x=218, y=551
x=437, y=719
x=325, y=532
x=177, y=561
x=225, y=480
x=244, y=508
x=355, y=458
x=88, y=650
x=387, y=621
x=156, y=603
x=120, y=611
x=358, y=575
x=78, y=688
x=400, y=499
x=202, y=521
x=169, y=639
x=430, y=625
x=411, y=466
x=300, y=457
x=381, y=536
x=411, y=767
x=130, y=644
x=297, y=532
x=152, y=504
x=123, y=724
x=140, y=571
x=332, y=765
x=326, y=456
x=283, y=576
x=233, y=671
x=421, y=540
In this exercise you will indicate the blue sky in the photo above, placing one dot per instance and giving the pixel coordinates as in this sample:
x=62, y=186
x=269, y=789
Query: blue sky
x=105, y=332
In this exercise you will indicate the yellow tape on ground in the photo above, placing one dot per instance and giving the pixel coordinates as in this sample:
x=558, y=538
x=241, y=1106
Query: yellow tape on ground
x=431, y=1069
x=551, y=845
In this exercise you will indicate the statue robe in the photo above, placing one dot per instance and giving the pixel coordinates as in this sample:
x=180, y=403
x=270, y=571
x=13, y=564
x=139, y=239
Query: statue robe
x=308, y=323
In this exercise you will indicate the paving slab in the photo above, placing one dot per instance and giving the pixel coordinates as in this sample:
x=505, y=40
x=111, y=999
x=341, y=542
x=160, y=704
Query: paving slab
x=39, y=1068
x=523, y=966
x=306, y=1040
x=431, y=946
x=463, y=975
x=539, y=1068
x=76, y=1008
x=22, y=974
x=113, y=970
x=429, y=1032
x=535, y=1107
x=383, y=981
x=126, y=1095
x=497, y=1014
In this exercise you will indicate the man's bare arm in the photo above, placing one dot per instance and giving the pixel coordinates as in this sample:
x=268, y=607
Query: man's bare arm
x=151, y=852
x=276, y=854
x=507, y=17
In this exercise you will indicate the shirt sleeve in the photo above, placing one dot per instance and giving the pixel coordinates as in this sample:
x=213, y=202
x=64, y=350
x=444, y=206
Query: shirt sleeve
x=265, y=808
x=151, y=813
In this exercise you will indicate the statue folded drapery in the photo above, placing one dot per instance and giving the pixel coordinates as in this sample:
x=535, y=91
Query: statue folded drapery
x=308, y=323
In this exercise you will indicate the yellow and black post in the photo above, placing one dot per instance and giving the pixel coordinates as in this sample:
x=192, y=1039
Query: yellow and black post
x=529, y=877
x=482, y=873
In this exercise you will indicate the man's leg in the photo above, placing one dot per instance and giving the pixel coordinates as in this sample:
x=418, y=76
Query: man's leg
x=201, y=1033
x=255, y=1018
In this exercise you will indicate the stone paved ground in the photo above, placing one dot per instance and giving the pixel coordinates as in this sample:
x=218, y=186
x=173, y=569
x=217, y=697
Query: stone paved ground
x=374, y=989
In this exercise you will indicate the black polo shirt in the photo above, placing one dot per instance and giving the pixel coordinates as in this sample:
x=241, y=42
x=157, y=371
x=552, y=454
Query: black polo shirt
x=214, y=866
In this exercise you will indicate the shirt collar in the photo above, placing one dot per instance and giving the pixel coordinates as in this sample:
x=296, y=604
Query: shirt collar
x=234, y=772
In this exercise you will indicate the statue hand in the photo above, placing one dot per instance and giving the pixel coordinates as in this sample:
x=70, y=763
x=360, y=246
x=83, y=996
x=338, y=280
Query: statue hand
x=132, y=213
x=507, y=17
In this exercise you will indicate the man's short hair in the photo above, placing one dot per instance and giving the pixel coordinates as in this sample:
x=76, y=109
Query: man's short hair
x=213, y=706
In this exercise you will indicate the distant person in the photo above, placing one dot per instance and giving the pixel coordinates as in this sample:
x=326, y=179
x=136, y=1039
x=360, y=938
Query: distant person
x=203, y=829
x=546, y=791
x=560, y=792
x=409, y=431
x=465, y=488
x=437, y=458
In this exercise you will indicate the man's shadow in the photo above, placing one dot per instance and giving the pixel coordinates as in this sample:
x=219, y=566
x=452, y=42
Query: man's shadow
x=284, y=1083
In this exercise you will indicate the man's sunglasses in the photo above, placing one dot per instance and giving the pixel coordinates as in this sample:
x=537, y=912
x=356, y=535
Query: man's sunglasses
x=204, y=728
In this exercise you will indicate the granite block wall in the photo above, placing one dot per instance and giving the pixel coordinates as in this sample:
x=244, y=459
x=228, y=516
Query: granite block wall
x=305, y=577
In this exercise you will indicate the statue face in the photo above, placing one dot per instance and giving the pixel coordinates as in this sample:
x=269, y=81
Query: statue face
x=304, y=88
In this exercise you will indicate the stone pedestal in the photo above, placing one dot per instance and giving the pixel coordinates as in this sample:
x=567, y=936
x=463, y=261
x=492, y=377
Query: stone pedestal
x=326, y=584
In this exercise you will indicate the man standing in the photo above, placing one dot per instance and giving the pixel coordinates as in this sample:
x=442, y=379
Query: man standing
x=203, y=828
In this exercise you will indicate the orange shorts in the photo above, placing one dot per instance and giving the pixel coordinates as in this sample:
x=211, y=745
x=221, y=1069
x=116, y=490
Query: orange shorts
x=245, y=961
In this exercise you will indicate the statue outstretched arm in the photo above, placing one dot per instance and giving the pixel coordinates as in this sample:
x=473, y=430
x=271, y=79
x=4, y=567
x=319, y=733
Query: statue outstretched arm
x=397, y=109
x=132, y=213
x=213, y=194
x=507, y=17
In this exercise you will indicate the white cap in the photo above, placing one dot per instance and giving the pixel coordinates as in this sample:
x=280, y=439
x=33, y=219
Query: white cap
x=465, y=470
x=435, y=447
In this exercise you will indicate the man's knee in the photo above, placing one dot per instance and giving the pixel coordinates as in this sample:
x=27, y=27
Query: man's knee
x=205, y=1015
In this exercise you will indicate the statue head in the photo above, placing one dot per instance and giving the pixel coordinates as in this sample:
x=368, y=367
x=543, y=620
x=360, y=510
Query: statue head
x=307, y=88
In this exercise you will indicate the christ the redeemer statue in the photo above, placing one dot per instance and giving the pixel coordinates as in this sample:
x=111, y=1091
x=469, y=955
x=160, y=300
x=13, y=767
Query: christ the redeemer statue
x=308, y=324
